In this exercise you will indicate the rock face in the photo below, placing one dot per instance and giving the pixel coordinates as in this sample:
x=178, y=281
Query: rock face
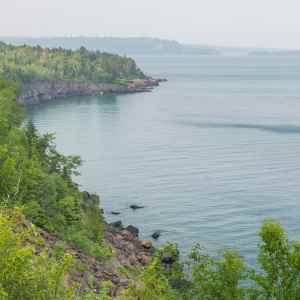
x=129, y=251
x=133, y=230
x=117, y=225
x=46, y=90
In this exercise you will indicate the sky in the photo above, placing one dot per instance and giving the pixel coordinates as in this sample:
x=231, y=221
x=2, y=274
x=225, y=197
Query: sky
x=253, y=23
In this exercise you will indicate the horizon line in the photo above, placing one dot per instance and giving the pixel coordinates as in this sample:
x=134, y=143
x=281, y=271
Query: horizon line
x=145, y=37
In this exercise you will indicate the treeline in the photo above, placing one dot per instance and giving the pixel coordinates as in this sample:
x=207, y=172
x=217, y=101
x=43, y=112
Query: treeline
x=36, y=185
x=25, y=63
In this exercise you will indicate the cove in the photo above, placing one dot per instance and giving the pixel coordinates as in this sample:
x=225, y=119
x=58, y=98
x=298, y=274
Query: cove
x=210, y=153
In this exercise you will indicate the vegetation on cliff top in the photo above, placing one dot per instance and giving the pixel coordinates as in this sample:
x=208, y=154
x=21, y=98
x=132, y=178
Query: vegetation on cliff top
x=26, y=63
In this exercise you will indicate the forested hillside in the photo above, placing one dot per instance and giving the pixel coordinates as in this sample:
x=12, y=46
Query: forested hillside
x=38, y=180
x=25, y=63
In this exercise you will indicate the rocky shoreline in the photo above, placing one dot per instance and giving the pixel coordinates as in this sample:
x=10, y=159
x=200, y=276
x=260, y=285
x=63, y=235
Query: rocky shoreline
x=130, y=254
x=130, y=250
x=45, y=90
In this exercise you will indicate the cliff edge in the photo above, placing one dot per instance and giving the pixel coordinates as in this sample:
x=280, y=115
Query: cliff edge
x=46, y=90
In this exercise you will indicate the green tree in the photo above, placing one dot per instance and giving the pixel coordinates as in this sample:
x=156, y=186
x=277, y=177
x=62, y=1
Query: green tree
x=36, y=177
x=217, y=278
x=25, y=64
x=279, y=260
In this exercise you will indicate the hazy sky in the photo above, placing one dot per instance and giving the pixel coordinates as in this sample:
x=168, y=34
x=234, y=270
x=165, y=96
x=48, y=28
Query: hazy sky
x=262, y=23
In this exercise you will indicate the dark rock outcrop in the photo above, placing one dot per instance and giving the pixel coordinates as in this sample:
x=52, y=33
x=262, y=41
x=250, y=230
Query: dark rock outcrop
x=129, y=252
x=116, y=213
x=45, y=90
x=133, y=230
x=117, y=224
x=156, y=234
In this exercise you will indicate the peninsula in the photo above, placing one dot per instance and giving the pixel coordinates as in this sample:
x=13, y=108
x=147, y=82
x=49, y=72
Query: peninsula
x=46, y=74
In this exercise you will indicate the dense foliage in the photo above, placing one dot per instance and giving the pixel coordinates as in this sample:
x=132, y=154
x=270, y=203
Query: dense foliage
x=25, y=274
x=25, y=63
x=227, y=277
x=34, y=176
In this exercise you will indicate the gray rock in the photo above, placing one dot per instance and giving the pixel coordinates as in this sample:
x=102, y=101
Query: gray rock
x=133, y=230
x=156, y=234
x=117, y=224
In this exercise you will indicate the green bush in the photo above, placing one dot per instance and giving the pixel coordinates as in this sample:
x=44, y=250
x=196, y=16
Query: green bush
x=155, y=282
x=279, y=261
x=217, y=278
x=97, y=249
x=24, y=273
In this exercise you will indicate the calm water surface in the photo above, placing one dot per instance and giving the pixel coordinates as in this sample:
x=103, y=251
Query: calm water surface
x=210, y=154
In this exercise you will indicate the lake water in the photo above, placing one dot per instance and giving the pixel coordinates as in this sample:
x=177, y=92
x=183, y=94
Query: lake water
x=210, y=154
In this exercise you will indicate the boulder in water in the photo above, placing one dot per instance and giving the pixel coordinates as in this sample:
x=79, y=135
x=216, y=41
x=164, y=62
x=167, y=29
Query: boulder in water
x=115, y=213
x=156, y=234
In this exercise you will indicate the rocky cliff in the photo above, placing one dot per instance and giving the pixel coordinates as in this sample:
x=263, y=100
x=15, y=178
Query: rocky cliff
x=45, y=90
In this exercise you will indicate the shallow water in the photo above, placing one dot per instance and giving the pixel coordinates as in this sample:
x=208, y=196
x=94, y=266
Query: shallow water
x=210, y=154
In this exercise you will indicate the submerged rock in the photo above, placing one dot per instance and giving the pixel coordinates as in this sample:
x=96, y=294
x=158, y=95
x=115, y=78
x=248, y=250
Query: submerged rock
x=115, y=213
x=156, y=234
x=134, y=206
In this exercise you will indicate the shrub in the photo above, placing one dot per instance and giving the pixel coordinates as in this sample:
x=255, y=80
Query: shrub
x=24, y=273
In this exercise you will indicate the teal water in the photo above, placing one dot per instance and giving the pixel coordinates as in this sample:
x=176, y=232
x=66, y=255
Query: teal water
x=210, y=154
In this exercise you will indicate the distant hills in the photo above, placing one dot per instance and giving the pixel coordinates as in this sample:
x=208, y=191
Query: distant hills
x=141, y=46
x=122, y=46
